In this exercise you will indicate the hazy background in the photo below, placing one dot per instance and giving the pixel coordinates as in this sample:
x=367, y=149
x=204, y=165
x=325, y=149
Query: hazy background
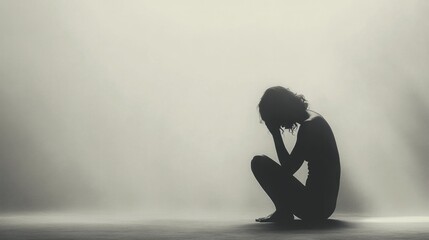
x=151, y=106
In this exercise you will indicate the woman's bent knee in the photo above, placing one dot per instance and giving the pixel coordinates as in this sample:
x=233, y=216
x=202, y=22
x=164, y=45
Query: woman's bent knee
x=261, y=162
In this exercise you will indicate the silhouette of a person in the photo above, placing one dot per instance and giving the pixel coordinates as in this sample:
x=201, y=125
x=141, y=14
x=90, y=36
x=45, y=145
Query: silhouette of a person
x=282, y=109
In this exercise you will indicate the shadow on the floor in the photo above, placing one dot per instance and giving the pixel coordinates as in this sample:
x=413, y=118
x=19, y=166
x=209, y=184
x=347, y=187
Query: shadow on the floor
x=297, y=225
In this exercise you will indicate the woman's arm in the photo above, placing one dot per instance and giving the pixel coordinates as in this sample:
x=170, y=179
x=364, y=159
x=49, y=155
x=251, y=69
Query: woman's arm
x=291, y=162
x=282, y=153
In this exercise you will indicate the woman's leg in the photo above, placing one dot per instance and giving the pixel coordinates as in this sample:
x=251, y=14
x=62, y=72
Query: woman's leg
x=286, y=192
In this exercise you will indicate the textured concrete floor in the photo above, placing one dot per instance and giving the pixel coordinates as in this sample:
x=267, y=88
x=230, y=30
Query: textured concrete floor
x=34, y=227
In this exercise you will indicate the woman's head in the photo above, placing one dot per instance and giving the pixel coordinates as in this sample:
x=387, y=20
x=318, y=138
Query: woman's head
x=281, y=107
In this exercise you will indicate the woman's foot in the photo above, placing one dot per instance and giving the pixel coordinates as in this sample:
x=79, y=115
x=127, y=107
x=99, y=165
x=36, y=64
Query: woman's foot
x=276, y=217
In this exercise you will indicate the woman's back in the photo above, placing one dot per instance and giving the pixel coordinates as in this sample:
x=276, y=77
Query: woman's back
x=323, y=160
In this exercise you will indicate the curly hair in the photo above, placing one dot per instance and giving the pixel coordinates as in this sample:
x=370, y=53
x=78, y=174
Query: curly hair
x=279, y=101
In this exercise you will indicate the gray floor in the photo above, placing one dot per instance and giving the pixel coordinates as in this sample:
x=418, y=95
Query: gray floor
x=34, y=227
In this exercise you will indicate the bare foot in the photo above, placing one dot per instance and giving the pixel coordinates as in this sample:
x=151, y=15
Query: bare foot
x=276, y=217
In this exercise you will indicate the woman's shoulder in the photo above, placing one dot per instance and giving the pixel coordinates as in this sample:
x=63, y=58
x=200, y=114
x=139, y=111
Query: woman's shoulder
x=313, y=118
x=315, y=122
